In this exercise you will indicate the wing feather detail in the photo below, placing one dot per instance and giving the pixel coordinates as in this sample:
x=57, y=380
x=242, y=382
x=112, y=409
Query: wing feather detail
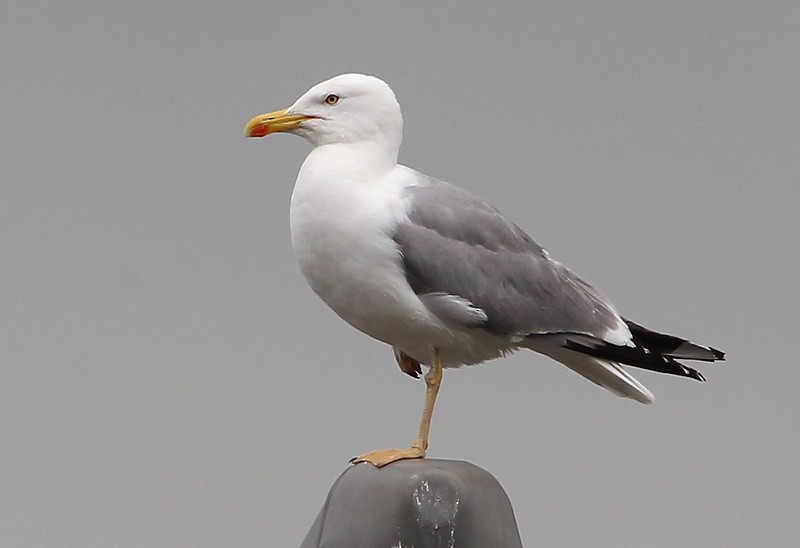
x=455, y=244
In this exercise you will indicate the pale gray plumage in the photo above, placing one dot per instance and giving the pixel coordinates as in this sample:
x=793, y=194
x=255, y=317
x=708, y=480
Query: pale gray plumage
x=456, y=244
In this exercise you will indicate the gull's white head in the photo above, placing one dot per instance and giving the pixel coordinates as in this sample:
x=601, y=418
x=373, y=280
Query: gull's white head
x=351, y=108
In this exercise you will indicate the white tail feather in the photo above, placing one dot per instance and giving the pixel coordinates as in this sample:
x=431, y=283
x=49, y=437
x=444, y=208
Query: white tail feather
x=607, y=374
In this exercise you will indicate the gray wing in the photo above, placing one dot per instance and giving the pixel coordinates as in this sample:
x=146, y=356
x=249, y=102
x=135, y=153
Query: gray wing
x=470, y=264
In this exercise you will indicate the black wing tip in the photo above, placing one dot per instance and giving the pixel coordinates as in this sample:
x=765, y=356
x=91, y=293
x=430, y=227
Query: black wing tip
x=672, y=346
x=639, y=356
x=719, y=355
x=710, y=354
x=694, y=374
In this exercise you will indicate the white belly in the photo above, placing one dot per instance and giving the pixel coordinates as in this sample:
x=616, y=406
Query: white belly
x=342, y=237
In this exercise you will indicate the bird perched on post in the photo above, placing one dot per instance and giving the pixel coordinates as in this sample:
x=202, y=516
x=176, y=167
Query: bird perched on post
x=438, y=274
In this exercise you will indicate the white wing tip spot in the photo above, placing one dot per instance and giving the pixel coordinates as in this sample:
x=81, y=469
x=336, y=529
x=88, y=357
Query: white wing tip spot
x=620, y=335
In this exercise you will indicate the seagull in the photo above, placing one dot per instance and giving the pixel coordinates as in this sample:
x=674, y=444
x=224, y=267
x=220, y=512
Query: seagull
x=438, y=274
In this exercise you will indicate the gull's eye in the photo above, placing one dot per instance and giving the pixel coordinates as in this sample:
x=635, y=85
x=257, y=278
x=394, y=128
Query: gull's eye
x=331, y=99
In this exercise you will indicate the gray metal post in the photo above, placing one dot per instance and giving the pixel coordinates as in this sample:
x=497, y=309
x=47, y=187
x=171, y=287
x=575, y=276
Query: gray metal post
x=424, y=503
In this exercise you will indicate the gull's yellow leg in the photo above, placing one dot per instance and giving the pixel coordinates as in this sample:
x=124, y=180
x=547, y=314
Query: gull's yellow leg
x=433, y=379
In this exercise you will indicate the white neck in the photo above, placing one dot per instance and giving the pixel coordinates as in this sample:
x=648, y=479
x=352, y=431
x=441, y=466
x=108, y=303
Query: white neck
x=355, y=161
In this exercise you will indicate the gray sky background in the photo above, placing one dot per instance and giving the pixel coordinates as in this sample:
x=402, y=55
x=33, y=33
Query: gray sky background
x=168, y=379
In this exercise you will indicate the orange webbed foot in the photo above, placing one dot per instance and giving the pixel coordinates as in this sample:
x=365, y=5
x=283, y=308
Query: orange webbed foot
x=383, y=457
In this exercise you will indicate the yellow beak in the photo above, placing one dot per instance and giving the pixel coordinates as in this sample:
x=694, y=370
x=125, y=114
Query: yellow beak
x=273, y=122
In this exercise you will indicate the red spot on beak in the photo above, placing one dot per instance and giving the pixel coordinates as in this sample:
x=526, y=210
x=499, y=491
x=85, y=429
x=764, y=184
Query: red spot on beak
x=261, y=130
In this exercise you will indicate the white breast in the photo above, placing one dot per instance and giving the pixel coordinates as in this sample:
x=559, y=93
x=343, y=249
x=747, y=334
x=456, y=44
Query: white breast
x=342, y=221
